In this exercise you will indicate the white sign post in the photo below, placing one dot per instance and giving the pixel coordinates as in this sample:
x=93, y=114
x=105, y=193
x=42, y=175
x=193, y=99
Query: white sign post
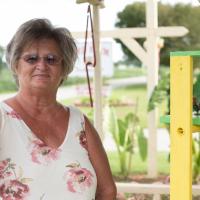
x=98, y=107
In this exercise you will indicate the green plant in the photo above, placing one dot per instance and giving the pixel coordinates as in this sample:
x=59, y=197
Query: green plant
x=196, y=95
x=196, y=158
x=124, y=133
x=160, y=93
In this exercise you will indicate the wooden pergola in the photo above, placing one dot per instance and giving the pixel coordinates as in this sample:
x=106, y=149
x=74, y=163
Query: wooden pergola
x=149, y=56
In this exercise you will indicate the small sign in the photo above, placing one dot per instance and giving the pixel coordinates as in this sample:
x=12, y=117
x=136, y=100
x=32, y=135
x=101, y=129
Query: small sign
x=107, y=68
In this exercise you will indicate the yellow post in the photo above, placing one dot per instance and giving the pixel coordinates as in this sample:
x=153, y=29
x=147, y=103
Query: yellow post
x=181, y=79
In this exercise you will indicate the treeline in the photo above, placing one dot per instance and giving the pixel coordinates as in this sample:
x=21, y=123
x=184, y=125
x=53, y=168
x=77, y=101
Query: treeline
x=2, y=62
x=133, y=15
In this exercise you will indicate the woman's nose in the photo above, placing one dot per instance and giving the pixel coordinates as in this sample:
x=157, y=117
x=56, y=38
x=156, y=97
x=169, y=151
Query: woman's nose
x=41, y=64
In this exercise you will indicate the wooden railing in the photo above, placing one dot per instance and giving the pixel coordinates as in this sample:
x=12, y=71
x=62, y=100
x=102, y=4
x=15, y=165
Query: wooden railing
x=156, y=189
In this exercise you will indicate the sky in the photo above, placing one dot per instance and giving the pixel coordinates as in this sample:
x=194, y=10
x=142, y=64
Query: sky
x=61, y=13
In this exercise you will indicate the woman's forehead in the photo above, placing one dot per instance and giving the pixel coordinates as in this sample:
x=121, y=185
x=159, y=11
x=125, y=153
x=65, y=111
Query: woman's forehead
x=42, y=44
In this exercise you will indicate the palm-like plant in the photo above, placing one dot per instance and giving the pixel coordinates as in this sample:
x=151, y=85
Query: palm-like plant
x=126, y=132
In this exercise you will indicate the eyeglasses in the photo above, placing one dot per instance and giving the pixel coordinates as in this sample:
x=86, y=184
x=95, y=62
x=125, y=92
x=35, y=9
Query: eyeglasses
x=49, y=59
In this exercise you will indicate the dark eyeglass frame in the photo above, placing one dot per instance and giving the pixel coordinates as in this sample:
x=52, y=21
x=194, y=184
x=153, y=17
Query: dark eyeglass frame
x=49, y=59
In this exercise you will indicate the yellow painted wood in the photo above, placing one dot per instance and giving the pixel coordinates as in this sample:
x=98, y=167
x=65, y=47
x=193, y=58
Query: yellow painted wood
x=181, y=127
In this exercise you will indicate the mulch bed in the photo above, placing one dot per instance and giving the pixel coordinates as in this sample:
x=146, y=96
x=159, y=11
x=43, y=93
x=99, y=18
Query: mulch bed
x=142, y=178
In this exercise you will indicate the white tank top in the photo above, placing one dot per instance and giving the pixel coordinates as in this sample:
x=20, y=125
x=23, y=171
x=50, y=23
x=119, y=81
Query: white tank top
x=31, y=170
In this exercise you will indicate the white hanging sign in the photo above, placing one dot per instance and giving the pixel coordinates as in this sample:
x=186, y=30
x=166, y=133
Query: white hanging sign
x=107, y=68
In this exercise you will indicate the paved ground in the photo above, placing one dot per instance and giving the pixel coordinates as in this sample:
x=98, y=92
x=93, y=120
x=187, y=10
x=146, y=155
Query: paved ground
x=73, y=91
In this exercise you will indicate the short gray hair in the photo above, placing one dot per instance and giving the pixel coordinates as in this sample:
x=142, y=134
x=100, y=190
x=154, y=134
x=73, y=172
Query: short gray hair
x=36, y=29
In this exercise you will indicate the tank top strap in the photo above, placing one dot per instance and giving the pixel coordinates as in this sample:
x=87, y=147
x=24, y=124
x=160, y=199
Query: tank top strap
x=76, y=118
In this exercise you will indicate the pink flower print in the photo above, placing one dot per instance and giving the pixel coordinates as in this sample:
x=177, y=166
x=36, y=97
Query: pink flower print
x=13, y=190
x=6, y=168
x=82, y=139
x=41, y=153
x=14, y=114
x=78, y=179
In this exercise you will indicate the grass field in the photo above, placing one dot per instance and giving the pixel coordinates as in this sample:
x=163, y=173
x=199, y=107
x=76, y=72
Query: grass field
x=131, y=94
x=139, y=166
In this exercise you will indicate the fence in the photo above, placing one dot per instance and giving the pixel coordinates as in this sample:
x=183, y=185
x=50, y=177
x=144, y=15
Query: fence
x=155, y=189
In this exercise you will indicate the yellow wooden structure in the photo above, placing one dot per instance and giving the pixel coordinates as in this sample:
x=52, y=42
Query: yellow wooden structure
x=182, y=124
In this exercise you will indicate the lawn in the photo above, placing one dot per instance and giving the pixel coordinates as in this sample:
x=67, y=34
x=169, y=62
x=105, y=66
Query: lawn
x=130, y=94
x=129, y=72
x=139, y=166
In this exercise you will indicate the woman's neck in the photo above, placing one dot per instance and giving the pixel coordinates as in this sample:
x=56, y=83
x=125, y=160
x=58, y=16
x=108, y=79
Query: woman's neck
x=36, y=102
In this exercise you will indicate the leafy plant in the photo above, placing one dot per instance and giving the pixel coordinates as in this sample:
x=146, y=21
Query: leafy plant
x=125, y=133
x=160, y=93
x=196, y=159
x=196, y=95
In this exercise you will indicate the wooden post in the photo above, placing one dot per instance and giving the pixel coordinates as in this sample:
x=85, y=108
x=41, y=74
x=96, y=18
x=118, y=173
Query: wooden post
x=98, y=110
x=181, y=81
x=97, y=91
x=152, y=80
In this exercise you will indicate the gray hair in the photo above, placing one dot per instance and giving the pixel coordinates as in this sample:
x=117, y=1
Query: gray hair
x=36, y=29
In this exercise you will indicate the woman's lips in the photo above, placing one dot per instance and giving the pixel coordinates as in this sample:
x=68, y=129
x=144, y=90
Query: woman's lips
x=41, y=75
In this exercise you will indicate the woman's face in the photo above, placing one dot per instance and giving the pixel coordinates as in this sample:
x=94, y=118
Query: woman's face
x=40, y=66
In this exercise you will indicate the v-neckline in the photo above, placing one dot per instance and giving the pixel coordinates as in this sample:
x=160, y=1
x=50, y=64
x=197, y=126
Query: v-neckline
x=32, y=134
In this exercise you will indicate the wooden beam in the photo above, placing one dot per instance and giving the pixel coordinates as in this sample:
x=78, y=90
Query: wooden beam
x=99, y=3
x=171, y=31
x=135, y=47
x=154, y=188
x=177, y=31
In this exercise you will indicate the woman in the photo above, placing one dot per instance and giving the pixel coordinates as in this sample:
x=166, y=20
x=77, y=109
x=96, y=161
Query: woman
x=47, y=151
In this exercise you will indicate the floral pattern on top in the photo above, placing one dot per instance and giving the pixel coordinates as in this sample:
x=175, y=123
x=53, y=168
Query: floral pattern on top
x=41, y=153
x=82, y=137
x=12, y=187
x=6, y=168
x=78, y=179
x=14, y=114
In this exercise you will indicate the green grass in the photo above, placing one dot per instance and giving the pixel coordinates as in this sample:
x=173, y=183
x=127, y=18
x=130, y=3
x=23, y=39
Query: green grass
x=135, y=94
x=129, y=72
x=139, y=166
x=7, y=83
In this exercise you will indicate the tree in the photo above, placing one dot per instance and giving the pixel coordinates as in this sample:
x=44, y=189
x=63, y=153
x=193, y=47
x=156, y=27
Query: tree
x=133, y=15
x=2, y=63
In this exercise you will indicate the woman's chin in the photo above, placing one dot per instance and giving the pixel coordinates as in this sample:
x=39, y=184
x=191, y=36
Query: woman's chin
x=41, y=84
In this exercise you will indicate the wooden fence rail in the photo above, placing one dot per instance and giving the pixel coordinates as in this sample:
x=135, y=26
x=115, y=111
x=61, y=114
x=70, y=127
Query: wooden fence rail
x=156, y=189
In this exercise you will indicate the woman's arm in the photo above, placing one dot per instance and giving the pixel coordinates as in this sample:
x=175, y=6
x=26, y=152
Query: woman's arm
x=106, y=189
